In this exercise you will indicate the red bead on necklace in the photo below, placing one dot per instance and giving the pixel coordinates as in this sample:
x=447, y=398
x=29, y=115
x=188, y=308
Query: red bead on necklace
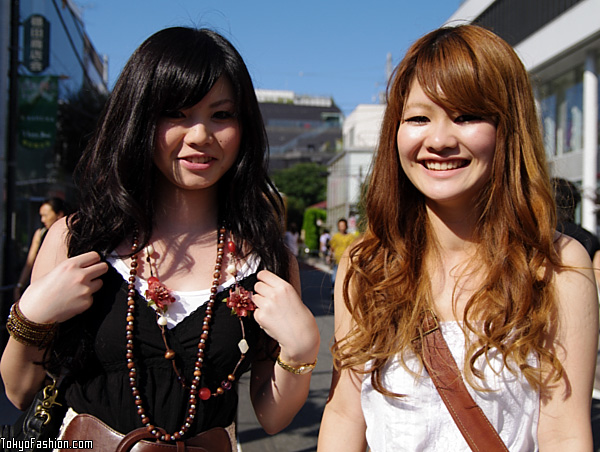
x=159, y=295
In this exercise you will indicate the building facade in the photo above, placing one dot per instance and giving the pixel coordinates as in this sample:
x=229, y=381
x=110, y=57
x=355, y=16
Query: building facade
x=559, y=44
x=54, y=63
x=348, y=170
x=300, y=129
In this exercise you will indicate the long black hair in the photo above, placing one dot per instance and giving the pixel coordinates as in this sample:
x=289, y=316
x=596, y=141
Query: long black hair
x=174, y=69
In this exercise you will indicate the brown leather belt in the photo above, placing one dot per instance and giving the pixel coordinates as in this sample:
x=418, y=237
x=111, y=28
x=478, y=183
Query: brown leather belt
x=86, y=427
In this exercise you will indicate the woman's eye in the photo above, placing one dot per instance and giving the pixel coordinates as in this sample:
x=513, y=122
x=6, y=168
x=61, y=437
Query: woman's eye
x=468, y=118
x=417, y=119
x=173, y=114
x=224, y=114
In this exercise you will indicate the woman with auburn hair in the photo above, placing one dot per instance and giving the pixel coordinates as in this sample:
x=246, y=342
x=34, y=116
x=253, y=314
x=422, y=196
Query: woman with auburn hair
x=460, y=285
x=172, y=278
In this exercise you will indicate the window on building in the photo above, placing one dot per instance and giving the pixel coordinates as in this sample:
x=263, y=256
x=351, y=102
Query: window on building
x=562, y=113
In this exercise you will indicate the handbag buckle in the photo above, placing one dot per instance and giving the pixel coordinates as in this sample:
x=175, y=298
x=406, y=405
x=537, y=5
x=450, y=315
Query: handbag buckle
x=429, y=324
x=50, y=393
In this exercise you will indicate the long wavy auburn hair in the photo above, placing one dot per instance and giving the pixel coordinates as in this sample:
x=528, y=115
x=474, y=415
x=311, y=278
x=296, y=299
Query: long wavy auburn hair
x=464, y=69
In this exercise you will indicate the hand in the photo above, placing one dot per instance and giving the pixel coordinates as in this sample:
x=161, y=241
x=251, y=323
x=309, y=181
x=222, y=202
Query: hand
x=284, y=317
x=65, y=291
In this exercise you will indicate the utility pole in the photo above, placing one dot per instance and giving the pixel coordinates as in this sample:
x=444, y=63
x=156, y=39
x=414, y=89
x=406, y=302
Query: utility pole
x=11, y=151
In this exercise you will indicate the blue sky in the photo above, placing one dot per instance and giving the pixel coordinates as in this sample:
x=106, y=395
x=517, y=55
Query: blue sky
x=317, y=47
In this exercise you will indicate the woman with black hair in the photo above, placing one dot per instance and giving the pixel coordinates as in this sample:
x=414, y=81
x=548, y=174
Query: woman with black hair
x=172, y=278
x=51, y=210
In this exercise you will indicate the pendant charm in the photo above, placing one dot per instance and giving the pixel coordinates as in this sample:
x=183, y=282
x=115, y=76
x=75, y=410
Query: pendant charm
x=240, y=301
x=231, y=269
x=243, y=346
x=159, y=295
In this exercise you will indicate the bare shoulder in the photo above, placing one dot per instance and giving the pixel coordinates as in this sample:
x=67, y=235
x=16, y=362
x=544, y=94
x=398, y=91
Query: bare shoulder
x=571, y=252
x=53, y=250
x=576, y=276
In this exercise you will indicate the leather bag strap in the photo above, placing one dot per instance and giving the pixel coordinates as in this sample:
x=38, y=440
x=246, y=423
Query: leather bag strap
x=475, y=427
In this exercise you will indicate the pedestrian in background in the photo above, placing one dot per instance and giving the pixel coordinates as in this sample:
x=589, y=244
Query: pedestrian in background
x=51, y=210
x=341, y=240
x=172, y=277
x=324, y=249
x=460, y=284
x=292, y=238
x=567, y=200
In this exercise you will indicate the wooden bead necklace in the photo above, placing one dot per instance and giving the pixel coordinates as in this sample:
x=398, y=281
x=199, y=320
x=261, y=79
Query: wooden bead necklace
x=196, y=392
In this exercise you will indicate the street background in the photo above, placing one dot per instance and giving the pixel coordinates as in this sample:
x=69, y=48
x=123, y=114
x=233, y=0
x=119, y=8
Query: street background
x=301, y=435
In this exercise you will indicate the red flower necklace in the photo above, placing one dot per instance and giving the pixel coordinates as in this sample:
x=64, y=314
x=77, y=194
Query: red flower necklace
x=240, y=300
x=160, y=296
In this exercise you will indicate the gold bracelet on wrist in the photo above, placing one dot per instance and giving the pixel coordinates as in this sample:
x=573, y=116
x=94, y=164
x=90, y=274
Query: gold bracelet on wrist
x=27, y=332
x=297, y=370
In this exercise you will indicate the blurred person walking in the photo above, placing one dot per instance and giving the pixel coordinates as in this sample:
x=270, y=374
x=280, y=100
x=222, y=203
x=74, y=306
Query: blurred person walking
x=51, y=210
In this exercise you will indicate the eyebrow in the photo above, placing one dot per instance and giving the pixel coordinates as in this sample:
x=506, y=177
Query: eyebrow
x=418, y=105
x=221, y=102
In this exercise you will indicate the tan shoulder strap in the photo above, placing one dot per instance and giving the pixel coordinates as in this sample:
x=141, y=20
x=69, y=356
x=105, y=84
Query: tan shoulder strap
x=477, y=430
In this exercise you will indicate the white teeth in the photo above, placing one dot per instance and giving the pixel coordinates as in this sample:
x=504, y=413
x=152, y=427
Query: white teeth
x=198, y=159
x=443, y=166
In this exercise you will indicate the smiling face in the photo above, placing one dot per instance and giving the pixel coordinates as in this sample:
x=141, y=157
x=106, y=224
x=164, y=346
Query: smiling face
x=196, y=146
x=447, y=155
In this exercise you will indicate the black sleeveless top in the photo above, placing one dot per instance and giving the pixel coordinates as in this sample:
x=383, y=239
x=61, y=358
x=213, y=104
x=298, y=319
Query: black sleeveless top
x=100, y=386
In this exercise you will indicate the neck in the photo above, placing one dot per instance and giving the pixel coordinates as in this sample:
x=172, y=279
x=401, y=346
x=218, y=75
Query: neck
x=453, y=228
x=180, y=211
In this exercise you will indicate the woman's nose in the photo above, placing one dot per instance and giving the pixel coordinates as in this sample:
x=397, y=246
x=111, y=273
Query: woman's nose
x=199, y=133
x=441, y=135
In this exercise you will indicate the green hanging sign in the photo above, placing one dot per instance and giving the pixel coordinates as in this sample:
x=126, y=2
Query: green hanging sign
x=38, y=106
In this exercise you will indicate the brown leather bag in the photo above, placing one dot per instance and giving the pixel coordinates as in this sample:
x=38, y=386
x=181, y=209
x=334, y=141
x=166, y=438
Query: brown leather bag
x=475, y=427
x=86, y=427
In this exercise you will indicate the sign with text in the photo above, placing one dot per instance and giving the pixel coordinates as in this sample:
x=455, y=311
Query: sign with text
x=36, y=45
x=38, y=106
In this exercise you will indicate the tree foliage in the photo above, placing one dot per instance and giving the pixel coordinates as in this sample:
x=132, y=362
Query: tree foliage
x=311, y=230
x=303, y=185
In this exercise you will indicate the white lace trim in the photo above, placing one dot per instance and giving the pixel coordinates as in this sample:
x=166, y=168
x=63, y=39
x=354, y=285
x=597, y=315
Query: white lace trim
x=186, y=301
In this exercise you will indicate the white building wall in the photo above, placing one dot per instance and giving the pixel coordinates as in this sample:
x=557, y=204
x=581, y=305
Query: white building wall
x=361, y=127
x=468, y=11
x=570, y=42
x=563, y=35
x=349, y=169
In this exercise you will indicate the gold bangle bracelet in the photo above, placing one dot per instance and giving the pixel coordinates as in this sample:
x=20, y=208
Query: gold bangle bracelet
x=296, y=370
x=27, y=332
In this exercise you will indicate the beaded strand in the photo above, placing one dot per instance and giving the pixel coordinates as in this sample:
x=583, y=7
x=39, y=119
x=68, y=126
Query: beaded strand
x=195, y=393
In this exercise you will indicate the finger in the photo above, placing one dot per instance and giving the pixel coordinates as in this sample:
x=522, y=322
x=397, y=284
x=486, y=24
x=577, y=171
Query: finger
x=96, y=270
x=268, y=277
x=261, y=288
x=96, y=285
x=86, y=259
x=259, y=300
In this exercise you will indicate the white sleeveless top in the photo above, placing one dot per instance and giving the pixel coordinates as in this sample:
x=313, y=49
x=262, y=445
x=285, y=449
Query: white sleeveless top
x=421, y=422
x=187, y=302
